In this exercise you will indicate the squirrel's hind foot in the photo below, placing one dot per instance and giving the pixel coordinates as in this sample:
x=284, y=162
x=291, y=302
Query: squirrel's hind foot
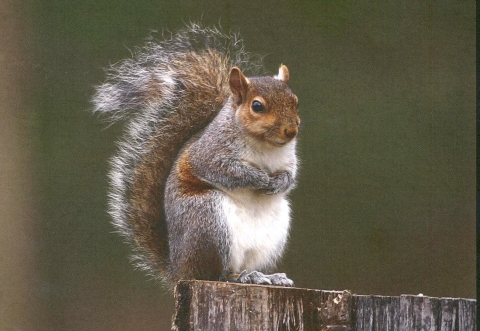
x=256, y=277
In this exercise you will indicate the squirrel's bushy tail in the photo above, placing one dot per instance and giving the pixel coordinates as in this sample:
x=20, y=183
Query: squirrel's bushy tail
x=167, y=91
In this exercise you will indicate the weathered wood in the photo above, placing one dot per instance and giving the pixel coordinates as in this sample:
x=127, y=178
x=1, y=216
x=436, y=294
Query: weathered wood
x=220, y=306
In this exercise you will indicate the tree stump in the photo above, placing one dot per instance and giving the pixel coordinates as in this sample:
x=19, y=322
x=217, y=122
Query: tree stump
x=218, y=306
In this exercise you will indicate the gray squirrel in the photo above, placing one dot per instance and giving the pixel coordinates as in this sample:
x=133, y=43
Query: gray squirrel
x=200, y=180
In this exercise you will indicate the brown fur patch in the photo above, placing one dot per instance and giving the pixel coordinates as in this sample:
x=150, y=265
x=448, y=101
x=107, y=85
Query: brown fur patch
x=146, y=215
x=188, y=183
x=154, y=90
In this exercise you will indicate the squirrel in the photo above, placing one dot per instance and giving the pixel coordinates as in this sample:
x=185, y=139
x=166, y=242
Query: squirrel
x=200, y=181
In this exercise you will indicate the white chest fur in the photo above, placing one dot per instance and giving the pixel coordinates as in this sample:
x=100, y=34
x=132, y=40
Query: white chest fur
x=259, y=223
x=259, y=228
x=272, y=159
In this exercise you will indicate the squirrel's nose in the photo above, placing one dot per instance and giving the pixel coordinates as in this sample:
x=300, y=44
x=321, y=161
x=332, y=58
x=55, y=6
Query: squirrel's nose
x=290, y=132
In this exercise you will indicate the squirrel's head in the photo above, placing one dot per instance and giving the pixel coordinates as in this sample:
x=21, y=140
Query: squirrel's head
x=265, y=106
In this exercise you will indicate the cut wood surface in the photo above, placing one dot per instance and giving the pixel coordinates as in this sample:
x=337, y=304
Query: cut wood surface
x=218, y=306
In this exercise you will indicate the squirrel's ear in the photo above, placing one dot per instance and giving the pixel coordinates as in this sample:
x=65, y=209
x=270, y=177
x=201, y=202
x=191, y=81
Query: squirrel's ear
x=238, y=83
x=283, y=74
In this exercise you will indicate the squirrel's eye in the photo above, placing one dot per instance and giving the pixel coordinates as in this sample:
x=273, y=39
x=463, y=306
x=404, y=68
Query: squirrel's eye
x=257, y=106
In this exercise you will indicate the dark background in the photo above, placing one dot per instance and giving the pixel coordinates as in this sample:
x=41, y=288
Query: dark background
x=385, y=201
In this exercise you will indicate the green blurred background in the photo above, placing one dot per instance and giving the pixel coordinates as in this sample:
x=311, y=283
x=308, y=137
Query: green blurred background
x=385, y=201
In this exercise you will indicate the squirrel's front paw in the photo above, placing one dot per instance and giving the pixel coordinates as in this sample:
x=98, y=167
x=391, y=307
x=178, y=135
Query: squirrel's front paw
x=279, y=182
